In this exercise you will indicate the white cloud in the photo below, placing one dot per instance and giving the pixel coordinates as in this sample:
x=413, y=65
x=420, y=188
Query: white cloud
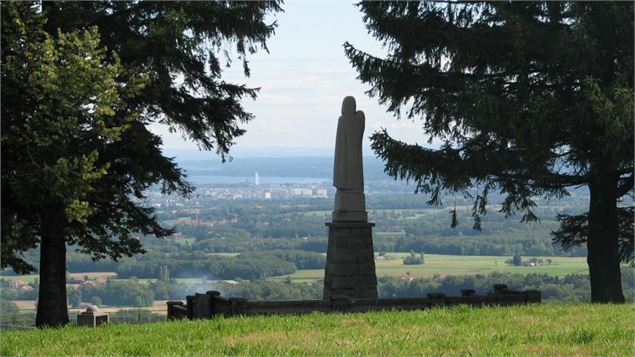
x=304, y=79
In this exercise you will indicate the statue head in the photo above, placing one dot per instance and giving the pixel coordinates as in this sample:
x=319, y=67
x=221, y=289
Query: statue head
x=348, y=106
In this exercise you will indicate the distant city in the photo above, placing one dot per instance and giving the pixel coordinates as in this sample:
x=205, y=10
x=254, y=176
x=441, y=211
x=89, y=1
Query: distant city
x=253, y=190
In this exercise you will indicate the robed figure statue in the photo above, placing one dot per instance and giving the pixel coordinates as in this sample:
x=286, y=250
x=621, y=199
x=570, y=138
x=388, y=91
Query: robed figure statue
x=348, y=172
x=350, y=262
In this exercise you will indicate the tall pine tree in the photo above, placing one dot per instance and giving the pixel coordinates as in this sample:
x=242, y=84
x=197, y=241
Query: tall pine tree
x=528, y=98
x=81, y=82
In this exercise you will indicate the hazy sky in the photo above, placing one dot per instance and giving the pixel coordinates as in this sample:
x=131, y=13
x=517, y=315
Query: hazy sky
x=303, y=80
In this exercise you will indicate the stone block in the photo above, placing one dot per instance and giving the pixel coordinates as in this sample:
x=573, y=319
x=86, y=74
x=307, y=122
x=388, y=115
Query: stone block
x=350, y=261
x=202, y=306
x=92, y=317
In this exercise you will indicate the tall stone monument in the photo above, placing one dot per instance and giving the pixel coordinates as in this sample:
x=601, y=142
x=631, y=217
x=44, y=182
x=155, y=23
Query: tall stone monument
x=350, y=264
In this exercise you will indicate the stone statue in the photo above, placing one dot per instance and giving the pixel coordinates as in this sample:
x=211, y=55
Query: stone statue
x=348, y=172
x=350, y=263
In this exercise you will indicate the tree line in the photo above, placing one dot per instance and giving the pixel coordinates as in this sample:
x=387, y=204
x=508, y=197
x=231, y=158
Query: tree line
x=249, y=265
x=572, y=288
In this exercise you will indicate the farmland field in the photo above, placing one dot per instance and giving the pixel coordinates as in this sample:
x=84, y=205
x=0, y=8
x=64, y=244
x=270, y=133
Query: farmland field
x=31, y=278
x=157, y=307
x=435, y=264
x=392, y=265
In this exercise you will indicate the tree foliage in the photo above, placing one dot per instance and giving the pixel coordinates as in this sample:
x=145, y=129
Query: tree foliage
x=166, y=68
x=81, y=83
x=59, y=100
x=529, y=99
x=181, y=47
x=574, y=230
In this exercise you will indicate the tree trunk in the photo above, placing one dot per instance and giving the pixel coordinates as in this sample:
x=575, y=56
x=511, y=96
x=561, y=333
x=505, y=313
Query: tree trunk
x=52, y=306
x=602, y=243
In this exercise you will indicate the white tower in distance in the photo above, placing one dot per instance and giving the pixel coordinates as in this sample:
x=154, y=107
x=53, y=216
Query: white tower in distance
x=257, y=179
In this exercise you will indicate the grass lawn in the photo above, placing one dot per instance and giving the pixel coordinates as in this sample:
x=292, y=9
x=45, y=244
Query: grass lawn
x=456, y=265
x=536, y=330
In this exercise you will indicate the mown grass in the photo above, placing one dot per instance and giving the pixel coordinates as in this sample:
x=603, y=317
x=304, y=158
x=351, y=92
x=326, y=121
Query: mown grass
x=536, y=330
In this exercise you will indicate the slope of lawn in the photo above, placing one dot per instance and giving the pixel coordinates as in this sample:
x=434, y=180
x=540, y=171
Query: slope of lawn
x=537, y=330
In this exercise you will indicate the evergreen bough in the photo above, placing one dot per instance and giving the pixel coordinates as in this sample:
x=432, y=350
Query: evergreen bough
x=81, y=83
x=527, y=98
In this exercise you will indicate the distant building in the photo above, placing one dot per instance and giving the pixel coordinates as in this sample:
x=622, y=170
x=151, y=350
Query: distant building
x=302, y=192
x=257, y=179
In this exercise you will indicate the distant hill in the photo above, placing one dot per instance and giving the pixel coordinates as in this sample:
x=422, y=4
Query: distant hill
x=317, y=166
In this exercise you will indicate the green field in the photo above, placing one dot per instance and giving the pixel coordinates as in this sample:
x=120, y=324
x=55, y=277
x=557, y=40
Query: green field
x=456, y=265
x=392, y=265
x=536, y=330
x=31, y=278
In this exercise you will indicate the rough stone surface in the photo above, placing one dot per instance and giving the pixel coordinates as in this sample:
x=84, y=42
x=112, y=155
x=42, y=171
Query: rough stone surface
x=350, y=263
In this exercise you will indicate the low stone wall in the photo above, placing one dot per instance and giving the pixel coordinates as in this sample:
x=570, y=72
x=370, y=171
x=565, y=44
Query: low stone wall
x=176, y=310
x=211, y=304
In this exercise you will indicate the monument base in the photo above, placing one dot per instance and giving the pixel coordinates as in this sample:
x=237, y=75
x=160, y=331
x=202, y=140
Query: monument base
x=350, y=261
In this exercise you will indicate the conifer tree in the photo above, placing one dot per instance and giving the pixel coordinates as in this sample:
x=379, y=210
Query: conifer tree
x=81, y=82
x=528, y=98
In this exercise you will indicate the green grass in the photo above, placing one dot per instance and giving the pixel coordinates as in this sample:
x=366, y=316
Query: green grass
x=456, y=265
x=536, y=330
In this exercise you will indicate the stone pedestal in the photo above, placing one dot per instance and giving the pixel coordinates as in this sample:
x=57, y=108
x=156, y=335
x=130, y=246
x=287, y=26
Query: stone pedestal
x=350, y=263
x=92, y=317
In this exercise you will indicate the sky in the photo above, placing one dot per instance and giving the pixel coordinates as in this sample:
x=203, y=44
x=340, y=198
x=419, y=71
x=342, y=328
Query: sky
x=303, y=80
